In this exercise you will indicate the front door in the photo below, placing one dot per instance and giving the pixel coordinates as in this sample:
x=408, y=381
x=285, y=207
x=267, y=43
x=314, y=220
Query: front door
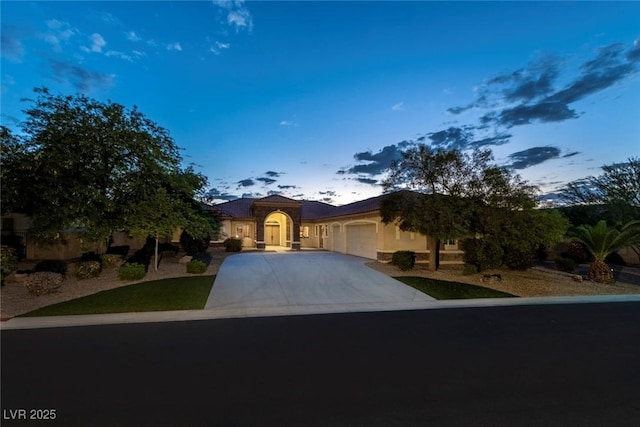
x=272, y=234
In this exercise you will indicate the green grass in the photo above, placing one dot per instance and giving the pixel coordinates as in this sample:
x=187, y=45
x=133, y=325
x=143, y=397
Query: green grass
x=182, y=293
x=440, y=289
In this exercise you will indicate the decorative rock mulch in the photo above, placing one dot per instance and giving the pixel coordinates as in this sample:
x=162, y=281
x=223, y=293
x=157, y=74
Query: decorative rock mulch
x=535, y=282
x=15, y=300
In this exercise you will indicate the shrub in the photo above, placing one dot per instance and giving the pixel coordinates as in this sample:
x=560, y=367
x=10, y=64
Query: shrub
x=118, y=250
x=203, y=257
x=191, y=245
x=88, y=269
x=43, y=282
x=51, y=265
x=111, y=260
x=577, y=252
x=483, y=253
x=8, y=261
x=132, y=271
x=196, y=267
x=233, y=245
x=519, y=259
x=565, y=264
x=405, y=260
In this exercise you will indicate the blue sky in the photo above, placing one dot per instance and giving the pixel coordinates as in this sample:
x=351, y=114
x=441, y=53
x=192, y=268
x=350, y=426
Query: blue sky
x=315, y=99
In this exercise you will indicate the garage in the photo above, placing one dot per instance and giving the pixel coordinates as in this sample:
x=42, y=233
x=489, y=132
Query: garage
x=362, y=240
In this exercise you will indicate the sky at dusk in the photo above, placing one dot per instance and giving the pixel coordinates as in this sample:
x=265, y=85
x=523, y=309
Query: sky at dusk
x=314, y=100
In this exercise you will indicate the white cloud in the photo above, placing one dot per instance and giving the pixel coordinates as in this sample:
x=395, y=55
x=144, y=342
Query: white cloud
x=97, y=43
x=398, y=107
x=119, y=55
x=138, y=53
x=218, y=47
x=240, y=18
x=59, y=32
x=54, y=24
x=174, y=46
x=286, y=123
x=131, y=35
x=238, y=15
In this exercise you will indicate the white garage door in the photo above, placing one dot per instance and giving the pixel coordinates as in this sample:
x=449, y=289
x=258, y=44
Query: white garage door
x=362, y=240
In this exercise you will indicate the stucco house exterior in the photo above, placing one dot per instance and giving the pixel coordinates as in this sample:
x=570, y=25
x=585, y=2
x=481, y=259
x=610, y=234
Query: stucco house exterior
x=355, y=228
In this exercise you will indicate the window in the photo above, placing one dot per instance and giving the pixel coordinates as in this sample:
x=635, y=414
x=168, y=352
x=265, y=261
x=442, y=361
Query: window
x=304, y=232
x=242, y=231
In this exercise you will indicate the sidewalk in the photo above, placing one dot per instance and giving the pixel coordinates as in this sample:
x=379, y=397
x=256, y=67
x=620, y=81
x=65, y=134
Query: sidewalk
x=193, y=315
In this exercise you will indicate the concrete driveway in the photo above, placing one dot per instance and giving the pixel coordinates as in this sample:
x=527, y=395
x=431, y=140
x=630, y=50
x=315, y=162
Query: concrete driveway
x=307, y=282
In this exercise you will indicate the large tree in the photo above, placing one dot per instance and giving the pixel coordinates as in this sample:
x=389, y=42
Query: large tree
x=81, y=163
x=614, y=195
x=456, y=194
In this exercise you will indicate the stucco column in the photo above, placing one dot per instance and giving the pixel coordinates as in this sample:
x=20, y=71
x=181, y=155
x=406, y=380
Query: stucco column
x=260, y=243
x=295, y=239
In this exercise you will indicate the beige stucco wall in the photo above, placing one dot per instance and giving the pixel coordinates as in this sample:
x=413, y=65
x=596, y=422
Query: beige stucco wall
x=248, y=238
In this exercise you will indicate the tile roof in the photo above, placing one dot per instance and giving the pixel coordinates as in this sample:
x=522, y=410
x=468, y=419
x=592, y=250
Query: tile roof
x=275, y=198
x=309, y=210
x=238, y=208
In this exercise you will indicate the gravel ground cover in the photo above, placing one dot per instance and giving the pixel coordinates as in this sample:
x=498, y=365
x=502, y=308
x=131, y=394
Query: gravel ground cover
x=14, y=299
x=535, y=282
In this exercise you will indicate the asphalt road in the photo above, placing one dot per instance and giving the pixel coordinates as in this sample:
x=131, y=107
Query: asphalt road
x=547, y=365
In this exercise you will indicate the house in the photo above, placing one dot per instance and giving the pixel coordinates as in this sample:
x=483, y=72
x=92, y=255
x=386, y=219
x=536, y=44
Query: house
x=355, y=228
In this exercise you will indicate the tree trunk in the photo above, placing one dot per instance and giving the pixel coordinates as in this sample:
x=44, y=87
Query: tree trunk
x=155, y=262
x=434, y=254
x=600, y=272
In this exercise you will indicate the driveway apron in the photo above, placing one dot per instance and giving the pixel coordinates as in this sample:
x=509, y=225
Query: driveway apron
x=304, y=279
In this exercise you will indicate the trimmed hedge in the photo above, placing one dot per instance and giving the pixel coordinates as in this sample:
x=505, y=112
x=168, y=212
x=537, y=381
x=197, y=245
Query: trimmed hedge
x=405, y=260
x=519, y=259
x=196, y=267
x=233, y=245
x=483, y=253
x=132, y=271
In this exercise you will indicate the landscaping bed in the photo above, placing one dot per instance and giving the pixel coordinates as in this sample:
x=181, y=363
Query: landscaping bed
x=15, y=299
x=536, y=282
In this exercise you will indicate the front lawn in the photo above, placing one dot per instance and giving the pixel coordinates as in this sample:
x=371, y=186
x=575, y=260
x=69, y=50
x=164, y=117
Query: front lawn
x=181, y=293
x=440, y=289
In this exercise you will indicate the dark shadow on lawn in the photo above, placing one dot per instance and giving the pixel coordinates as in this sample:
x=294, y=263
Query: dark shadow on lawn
x=442, y=290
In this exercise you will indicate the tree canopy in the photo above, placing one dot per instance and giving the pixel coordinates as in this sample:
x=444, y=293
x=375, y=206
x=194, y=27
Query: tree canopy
x=91, y=165
x=613, y=195
x=456, y=195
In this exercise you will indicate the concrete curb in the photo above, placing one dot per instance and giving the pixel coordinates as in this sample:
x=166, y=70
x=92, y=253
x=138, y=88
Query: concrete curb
x=191, y=315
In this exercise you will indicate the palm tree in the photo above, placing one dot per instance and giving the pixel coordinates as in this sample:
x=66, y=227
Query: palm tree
x=602, y=241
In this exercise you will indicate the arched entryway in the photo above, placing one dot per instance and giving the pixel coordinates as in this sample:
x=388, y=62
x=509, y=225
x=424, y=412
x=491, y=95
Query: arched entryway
x=278, y=229
x=277, y=216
